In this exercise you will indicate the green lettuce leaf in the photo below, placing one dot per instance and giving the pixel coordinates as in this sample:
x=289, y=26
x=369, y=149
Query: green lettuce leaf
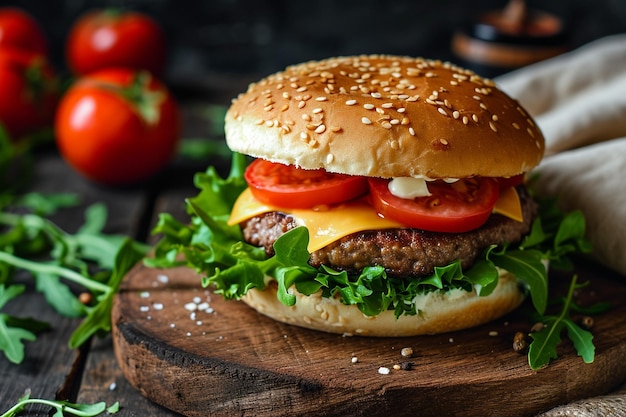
x=210, y=246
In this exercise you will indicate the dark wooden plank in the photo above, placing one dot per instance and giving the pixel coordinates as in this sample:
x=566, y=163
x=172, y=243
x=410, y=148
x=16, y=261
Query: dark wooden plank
x=52, y=370
x=49, y=361
x=246, y=364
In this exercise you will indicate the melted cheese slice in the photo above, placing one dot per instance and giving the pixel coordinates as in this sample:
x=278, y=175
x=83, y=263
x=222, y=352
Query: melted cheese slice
x=329, y=224
x=509, y=205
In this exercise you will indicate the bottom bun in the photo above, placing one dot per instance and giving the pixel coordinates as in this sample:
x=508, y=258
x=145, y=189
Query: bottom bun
x=439, y=312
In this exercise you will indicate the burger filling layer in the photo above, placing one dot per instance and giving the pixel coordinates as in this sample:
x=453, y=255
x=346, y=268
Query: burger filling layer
x=403, y=252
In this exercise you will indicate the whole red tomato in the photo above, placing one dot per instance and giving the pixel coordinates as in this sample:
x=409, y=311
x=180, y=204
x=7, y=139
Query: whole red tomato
x=110, y=38
x=117, y=126
x=28, y=92
x=20, y=30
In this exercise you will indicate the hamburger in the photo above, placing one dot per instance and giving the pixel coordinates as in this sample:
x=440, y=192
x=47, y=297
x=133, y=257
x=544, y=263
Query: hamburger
x=376, y=196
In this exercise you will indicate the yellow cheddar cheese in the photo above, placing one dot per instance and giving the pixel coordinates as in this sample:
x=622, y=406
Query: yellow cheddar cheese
x=327, y=224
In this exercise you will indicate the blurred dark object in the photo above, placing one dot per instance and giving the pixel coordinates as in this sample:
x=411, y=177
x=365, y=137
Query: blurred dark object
x=214, y=43
x=502, y=40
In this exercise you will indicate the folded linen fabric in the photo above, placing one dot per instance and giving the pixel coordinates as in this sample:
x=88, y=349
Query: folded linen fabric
x=579, y=101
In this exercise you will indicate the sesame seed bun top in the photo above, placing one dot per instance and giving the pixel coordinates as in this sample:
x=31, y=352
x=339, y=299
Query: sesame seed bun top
x=384, y=116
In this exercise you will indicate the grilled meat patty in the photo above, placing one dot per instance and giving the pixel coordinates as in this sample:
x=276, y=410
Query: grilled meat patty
x=402, y=252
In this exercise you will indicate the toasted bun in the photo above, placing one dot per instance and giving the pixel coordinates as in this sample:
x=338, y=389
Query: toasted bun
x=440, y=312
x=385, y=116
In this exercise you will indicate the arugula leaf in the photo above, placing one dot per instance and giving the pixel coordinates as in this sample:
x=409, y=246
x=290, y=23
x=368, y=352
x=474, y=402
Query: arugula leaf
x=543, y=347
x=63, y=408
x=11, y=337
x=99, y=317
x=91, y=259
x=527, y=264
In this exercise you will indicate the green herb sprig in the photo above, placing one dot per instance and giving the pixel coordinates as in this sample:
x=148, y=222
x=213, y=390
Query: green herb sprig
x=543, y=347
x=63, y=408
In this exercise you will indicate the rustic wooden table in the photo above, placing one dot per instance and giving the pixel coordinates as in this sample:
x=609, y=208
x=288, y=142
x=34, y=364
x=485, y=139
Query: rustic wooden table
x=91, y=374
x=51, y=370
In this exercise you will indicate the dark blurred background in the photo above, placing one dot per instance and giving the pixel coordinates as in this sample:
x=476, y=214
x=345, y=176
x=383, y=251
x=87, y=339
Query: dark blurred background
x=257, y=37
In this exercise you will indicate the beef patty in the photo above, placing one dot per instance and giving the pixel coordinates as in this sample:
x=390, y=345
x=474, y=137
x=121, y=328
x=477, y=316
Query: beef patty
x=402, y=252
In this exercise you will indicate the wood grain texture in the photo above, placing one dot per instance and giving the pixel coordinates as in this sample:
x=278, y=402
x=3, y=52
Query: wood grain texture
x=233, y=361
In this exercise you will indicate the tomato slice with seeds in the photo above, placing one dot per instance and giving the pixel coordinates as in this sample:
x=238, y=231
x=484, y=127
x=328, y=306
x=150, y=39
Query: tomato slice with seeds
x=290, y=187
x=454, y=208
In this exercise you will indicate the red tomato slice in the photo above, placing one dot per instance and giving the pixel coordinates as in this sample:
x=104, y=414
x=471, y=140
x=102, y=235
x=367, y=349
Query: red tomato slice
x=458, y=207
x=290, y=187
x=510, y=181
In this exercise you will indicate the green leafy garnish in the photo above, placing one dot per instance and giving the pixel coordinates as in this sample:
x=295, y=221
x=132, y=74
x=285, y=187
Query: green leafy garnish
x=217, y=251
x=545, y=341
x=63, y=408
x=94, y=261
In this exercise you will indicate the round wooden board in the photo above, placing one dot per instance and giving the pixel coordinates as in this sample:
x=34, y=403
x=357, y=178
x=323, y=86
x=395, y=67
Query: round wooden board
x=226, y=359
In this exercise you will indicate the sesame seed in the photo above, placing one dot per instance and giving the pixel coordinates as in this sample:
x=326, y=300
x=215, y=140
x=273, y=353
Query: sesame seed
x=351, y=102
x=475, y=118
x=515, y=125
x=369, y=106
x=284, y=107
x=493, y=126
x=465, y=120
x=442, y=111
x=376, y=95
x=330, y=158
x=401, y=110
x=411, y=131
x=483, y=106
x=366, y=121
x=387, y=105
x=301, y=89
x=320, y=129
x=443, y=141
x=456, y=114
x=301, y=104
x=494, y=118
x=530, y=132
x=304, y=136
x=383, y=370
x=530, y=122
x=394, y=121
x=268, y=108
x=321, y=99
x=335, y=129
x=317, y=110
x=306, y=117
x=386, y=125
x=394, y=144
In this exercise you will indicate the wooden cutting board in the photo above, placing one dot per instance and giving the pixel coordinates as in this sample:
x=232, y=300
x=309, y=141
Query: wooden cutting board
x=189, y=350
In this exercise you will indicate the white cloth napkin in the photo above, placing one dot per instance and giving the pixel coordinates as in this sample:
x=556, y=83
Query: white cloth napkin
x=579, y=101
